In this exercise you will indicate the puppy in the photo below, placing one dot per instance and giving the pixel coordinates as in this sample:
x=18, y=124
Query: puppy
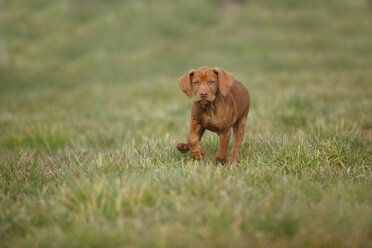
x=220, y=103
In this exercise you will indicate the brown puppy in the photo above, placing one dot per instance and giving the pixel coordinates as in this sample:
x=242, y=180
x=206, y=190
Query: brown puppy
x=220, y=103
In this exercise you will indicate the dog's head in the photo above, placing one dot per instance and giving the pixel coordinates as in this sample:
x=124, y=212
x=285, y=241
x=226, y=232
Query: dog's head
x=205, y=82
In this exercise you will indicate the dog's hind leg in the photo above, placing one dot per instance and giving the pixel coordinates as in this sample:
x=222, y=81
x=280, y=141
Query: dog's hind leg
x=239, y=130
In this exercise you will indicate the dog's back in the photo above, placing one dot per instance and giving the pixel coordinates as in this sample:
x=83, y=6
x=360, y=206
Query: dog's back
x=241, y=97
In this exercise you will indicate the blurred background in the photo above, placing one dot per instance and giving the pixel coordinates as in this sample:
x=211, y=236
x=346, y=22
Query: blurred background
x=70, y=69
x=91, y=112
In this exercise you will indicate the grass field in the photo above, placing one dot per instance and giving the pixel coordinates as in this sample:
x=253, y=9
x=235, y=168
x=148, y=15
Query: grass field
x=90, y=114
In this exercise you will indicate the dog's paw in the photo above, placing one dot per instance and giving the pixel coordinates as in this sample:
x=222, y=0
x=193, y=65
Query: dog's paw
x=182, y=147
x=198, y=155
x=221, y=160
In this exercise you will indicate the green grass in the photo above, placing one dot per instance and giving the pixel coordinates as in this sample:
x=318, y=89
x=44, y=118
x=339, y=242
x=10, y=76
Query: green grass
x=90, y=114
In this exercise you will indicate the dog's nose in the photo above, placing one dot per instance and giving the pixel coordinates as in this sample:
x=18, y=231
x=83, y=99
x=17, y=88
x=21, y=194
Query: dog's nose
x=203, y=94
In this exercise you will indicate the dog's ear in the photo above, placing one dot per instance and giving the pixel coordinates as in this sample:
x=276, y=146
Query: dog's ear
x=185, y=83
x=225, y=80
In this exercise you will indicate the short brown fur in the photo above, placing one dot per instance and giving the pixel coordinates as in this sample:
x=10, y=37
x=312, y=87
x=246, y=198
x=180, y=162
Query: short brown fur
x=220, y=103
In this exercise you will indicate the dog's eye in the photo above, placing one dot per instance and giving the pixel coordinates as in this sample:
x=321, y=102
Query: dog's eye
x=195, y=83
x=211, y=82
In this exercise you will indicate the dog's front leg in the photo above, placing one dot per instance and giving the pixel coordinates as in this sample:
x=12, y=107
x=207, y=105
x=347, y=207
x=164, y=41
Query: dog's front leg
x=184, y=147
x=193, y=139
x=224, y=146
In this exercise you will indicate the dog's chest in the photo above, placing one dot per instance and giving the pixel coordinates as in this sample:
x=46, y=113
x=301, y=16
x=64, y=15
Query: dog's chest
x=215, y=121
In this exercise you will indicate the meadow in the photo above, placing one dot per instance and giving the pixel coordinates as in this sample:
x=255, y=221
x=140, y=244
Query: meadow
x=91, y=113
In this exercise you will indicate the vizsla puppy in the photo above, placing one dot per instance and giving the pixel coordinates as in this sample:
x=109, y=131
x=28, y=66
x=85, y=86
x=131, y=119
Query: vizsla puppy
x=220, y=103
